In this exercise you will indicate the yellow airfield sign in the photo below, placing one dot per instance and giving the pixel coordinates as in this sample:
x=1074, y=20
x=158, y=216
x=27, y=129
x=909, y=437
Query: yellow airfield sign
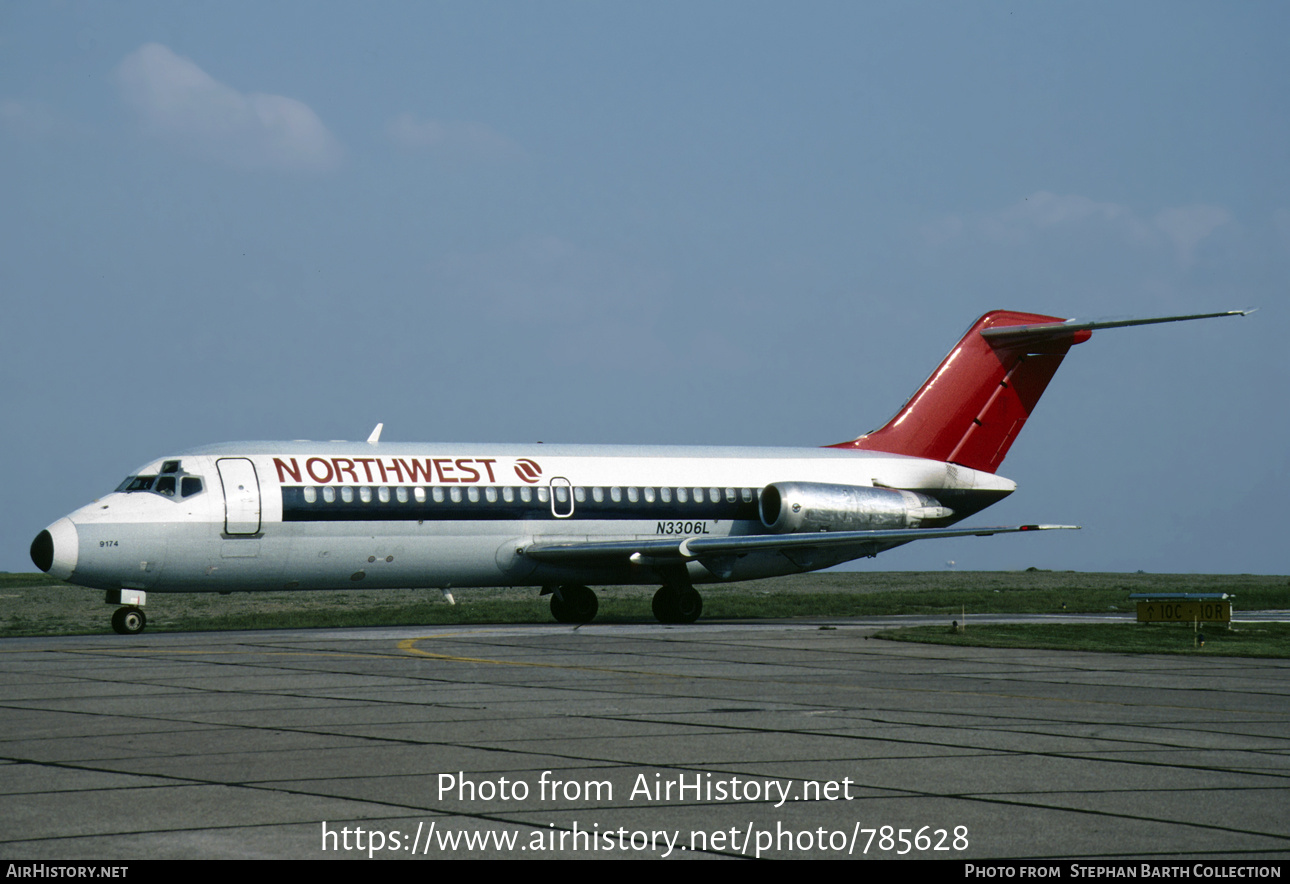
x=1179, y=611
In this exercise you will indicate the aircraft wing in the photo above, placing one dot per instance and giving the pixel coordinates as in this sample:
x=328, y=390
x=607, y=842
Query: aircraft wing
x=680, y=550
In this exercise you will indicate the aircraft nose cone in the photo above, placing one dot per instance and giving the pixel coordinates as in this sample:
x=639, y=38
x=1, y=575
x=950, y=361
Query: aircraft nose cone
x=54, y=550
x=42, y=550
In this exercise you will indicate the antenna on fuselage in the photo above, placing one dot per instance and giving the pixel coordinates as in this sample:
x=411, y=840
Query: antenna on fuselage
x=376, y=435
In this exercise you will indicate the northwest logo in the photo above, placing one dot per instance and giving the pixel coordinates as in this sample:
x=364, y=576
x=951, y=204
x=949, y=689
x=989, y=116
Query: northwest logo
x=528, y=470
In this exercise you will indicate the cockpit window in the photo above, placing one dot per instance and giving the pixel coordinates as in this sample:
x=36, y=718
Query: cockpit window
x=170, y=466
x=165, y=485
x=137, y=483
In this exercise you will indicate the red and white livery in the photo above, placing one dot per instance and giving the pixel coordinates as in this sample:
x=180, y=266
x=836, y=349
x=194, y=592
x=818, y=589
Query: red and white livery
x=305, y=515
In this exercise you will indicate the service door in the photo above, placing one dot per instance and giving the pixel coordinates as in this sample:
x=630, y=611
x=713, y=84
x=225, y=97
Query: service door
x=241, y=495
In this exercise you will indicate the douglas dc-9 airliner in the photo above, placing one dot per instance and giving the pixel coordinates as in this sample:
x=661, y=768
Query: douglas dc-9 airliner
x=304, y=515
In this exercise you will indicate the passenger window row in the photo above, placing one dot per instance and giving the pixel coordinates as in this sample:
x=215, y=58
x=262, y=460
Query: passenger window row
x=525, y=494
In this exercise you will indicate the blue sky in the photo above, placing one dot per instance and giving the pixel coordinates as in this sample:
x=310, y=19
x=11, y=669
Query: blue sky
x=720, y=222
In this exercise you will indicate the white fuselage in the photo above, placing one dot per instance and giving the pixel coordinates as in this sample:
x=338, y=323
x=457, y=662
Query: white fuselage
x=304, y=515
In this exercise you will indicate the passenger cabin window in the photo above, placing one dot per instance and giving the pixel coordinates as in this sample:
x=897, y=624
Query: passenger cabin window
x=562, y=497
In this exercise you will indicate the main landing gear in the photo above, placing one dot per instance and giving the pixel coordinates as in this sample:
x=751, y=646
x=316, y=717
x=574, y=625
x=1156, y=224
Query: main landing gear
x=572, y=603
x=677, y=604
x=128, y=621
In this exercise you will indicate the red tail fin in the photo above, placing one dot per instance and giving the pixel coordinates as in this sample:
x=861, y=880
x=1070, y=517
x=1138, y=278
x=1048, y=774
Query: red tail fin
x=973, y=406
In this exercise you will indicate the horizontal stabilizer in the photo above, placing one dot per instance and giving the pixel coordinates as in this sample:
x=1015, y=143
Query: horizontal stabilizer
x=1009, y=333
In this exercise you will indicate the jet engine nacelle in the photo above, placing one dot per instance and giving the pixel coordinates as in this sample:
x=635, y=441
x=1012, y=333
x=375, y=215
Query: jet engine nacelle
x=797, y=507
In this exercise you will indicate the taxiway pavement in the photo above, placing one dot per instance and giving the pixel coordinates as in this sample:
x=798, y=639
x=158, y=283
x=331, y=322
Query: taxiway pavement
x=778, y=739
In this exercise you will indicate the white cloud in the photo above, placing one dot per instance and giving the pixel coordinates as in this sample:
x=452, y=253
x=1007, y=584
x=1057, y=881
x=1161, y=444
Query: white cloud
x=1186, y=226
x=1043, y=210
x=1044, y=214
x=460, y=138
x=181, y=103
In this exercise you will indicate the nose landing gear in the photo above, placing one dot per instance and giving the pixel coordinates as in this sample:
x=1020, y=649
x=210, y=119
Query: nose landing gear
x=128, y=621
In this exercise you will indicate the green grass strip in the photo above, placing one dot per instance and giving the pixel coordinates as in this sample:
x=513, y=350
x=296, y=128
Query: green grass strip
x=38, y=605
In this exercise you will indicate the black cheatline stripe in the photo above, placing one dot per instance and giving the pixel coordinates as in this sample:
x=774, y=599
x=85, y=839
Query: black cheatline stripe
x=296, y=509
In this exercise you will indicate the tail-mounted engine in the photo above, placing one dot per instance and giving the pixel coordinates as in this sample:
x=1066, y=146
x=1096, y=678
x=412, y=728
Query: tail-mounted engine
x=798, y=507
